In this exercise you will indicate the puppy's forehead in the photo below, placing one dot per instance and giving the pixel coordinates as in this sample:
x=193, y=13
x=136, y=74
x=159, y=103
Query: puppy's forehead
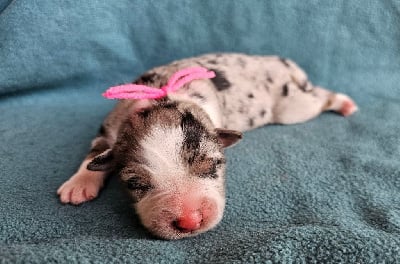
x=165, y=115
x=178, y=113
x=174, y=144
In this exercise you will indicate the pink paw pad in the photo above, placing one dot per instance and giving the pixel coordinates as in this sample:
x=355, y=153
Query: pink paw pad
x=348, y=107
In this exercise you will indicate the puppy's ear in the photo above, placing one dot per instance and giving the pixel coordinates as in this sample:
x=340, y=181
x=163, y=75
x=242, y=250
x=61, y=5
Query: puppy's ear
x=227, y=137
x=102, y=162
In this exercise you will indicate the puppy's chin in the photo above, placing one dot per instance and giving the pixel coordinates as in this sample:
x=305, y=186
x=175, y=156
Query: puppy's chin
x=166, y=218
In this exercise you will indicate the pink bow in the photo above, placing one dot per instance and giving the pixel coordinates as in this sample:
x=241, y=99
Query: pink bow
x=137, y=91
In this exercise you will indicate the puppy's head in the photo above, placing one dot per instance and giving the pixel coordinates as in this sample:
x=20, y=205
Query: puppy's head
x=170, y=157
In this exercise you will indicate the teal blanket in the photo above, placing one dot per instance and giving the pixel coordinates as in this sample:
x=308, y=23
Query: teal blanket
x=326, y=191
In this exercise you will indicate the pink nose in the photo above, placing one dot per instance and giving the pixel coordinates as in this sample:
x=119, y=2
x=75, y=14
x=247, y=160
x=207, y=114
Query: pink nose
x=189, y=221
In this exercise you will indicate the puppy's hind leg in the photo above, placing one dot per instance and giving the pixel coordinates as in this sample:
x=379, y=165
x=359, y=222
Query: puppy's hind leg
x=299, y=105
x=338, y=102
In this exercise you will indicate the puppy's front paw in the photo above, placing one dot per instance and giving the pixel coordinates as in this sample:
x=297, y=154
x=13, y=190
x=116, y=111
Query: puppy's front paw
x=80, y=188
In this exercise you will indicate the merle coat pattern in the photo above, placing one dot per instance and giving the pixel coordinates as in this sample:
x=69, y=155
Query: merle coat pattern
x=169, y=153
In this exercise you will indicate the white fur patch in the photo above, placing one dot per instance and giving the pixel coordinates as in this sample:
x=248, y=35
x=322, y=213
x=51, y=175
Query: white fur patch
x=162, y=150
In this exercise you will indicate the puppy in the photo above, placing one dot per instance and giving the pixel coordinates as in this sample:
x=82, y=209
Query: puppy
x=169, y=153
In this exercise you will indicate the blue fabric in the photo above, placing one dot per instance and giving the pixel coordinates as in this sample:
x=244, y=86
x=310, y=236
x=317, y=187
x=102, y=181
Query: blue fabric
x=324, y=191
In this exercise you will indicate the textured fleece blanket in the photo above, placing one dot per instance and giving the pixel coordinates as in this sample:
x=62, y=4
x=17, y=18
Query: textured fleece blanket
x=326, y=191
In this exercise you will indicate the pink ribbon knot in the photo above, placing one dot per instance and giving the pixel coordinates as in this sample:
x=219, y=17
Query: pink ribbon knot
x=179, y=79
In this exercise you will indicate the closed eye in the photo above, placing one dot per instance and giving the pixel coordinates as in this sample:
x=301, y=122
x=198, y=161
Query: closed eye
x=219, y=161
x=136, y=183
x=207, y=167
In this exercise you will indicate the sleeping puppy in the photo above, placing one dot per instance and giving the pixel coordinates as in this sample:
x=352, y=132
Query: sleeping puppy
x=169, y=152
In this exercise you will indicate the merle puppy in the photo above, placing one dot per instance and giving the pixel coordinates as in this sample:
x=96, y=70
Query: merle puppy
x=170, y=152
